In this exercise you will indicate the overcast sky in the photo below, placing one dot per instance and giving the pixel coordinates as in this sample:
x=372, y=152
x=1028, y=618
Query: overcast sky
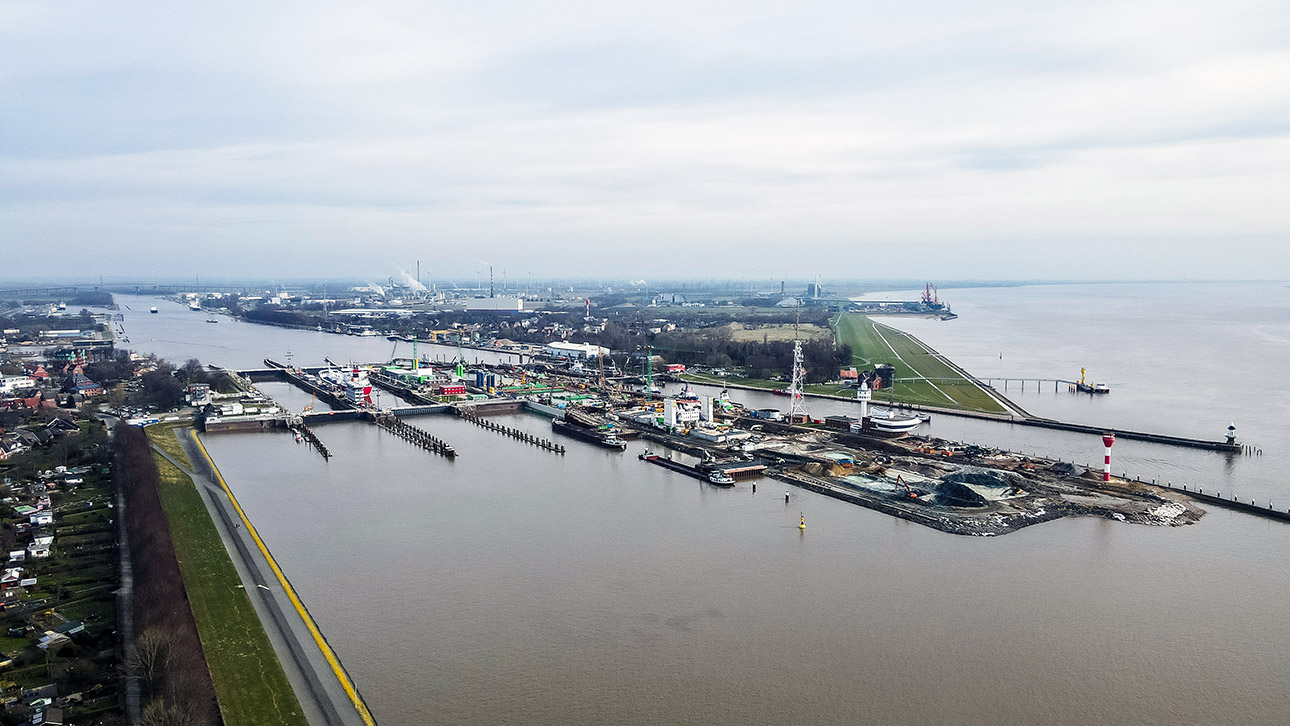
x=714, y=139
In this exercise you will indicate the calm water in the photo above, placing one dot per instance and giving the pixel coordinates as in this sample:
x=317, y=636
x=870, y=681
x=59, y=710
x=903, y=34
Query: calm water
x=177, y=334
x=516, y=586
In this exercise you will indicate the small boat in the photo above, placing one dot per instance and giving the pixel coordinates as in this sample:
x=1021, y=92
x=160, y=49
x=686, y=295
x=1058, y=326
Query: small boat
x=153, y=309
x=211, y=320
x=1082, y=387
x=720, y=478
x=780, y=392
x=686, y=394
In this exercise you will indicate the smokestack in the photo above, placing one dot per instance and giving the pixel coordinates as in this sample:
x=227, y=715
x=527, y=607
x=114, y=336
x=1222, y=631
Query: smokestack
x=1107, y=440
x=490, y=281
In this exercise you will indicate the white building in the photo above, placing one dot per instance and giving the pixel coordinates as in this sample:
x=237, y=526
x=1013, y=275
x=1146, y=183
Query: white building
x=495, y=304
x=9, y=384
x=576, y=351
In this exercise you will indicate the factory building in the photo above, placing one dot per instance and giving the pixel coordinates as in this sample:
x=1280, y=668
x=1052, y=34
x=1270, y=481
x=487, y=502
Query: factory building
x=494, y=304
x=574, y=351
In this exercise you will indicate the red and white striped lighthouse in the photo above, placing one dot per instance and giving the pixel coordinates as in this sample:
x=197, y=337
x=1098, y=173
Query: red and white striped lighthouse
x=1107, y=440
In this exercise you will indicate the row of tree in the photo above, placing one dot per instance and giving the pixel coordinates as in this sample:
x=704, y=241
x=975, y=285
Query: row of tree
x=821, y=358
x=166, y=654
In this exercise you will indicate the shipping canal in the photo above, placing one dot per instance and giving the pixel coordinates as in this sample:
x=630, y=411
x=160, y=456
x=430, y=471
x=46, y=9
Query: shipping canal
x=511, y=585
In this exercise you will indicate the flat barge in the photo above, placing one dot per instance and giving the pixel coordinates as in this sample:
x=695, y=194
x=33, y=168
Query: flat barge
x=716, y=477
x=604, y=439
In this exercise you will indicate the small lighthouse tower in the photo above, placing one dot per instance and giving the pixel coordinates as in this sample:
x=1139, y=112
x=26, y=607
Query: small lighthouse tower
x=1108, y=439
x=864, y=395
x=1231, y=434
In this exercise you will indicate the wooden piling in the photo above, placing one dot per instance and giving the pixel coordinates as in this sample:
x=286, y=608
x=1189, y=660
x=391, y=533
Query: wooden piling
x=310, y=438
x=416, y=436
x=544, y=444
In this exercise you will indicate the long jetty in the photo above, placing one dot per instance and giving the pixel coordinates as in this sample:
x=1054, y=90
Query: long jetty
x=412, y=434
x=526, y=437
x=310, y=438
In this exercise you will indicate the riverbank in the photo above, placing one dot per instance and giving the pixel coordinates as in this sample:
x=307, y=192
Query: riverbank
x=302, y=649
x=250, y=683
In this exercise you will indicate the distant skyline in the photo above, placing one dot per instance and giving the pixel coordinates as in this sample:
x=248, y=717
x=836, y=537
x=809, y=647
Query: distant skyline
x=942, y=141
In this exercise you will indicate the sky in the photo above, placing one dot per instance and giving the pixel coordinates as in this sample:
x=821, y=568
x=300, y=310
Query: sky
x=985, y=140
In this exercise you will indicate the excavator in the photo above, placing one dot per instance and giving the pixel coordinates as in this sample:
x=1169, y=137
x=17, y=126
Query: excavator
x=900, y=481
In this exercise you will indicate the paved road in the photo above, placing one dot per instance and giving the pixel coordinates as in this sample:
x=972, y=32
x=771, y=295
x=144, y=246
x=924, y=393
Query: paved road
x=322, y=696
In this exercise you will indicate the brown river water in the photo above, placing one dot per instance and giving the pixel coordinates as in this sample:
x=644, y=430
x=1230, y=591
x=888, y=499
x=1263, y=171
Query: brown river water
x=514, y=586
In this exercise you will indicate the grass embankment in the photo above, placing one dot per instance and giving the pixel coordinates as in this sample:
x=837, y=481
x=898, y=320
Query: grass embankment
x=921, y=375
x=248, y=678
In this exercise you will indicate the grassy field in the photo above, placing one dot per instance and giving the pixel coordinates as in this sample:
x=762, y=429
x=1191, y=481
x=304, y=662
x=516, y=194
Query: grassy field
x=251, y=685
x=743, y=333
x=872, y=343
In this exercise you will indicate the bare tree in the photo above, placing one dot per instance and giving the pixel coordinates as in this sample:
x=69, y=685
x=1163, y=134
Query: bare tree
x=160, y=712
x=150, y=657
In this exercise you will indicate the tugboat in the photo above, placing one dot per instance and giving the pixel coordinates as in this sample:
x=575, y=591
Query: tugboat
x=153, y=309
x=720, y=478
x=1082, y=387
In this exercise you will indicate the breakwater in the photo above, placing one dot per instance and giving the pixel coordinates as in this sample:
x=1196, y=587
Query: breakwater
x=1216, y=498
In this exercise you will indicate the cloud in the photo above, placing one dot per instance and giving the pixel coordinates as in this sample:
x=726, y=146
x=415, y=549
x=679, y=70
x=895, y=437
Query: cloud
x=563, y=137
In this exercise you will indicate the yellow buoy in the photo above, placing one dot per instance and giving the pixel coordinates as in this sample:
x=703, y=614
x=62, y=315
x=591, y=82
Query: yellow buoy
x=803, y=524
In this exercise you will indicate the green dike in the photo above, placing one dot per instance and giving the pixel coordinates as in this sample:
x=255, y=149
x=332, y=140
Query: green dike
x=873, y=343
x=249, y=680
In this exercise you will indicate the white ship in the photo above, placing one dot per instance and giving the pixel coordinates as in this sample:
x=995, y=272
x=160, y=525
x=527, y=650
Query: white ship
x=890, y=423
x=353, y=381
x=194, y=305
x=885, y=423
